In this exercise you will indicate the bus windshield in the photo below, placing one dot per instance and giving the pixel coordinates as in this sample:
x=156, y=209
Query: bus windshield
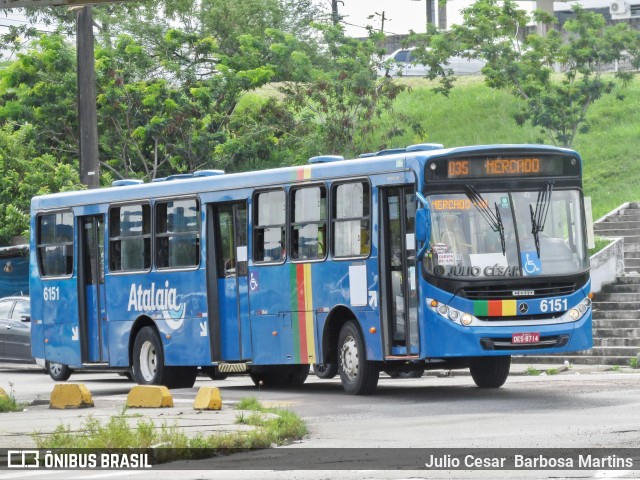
x=506, y=234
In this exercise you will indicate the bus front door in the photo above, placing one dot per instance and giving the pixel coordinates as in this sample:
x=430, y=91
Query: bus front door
x=91, y=295
x=227, y=282
x=398, y=272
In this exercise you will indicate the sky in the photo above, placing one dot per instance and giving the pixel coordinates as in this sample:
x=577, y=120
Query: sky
x=401, y=15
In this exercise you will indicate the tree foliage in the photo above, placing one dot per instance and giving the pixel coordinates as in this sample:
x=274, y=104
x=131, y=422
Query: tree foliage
x=526, y=63
x=26, y=173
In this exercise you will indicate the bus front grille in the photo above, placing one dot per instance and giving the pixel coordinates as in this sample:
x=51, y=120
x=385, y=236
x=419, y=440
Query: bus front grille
x=502, y=292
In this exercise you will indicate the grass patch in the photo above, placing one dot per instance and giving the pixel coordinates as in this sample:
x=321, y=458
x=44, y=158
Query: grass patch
x=633, y=362
x=272, y=427
x=532, y=371
x=600, y=244
x=8, y=403
x=552, y=371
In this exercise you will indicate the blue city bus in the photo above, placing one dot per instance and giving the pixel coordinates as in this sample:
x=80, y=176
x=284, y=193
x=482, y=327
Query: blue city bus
x=398, y=261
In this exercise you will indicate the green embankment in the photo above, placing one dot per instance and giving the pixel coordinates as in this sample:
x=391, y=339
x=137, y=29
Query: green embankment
x=476, y=114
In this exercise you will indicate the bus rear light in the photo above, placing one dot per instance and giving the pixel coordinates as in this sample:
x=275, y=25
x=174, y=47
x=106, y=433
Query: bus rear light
x=443, y=309
x=433, y=303
x=454, y=314
x=574, y=313
x=372, y=330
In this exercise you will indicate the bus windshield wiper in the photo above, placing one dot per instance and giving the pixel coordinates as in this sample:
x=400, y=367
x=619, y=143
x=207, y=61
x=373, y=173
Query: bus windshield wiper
x=539, y=215
x=493, y=219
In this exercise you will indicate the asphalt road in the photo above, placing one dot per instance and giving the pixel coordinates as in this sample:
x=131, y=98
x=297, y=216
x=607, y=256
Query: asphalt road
x=580, y=408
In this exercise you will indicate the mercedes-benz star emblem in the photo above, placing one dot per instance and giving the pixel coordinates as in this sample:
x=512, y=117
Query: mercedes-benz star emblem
x=523, y=307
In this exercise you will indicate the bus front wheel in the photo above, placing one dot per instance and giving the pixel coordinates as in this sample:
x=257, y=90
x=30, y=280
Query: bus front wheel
x=358, y=375
x=148, y=359
x=58, y=371
x=490, y=372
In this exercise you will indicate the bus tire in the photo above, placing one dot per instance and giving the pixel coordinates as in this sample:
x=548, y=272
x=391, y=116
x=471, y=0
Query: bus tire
x=148, y=359
x=181, y=377
x=58, y=371
x=297, y=375
x=214, y=373
x=268, y=377
x=325, y=370
x=490, y=372
x=358, y=375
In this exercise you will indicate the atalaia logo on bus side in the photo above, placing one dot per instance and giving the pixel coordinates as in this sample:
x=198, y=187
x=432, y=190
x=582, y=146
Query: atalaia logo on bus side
x=152, y=299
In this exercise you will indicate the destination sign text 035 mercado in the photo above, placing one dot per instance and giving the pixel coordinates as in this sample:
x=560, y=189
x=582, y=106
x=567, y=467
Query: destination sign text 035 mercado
x=503, y=166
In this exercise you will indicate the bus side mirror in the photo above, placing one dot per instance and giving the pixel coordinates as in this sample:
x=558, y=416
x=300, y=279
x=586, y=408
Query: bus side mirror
x=423, y=231
x=423, y=225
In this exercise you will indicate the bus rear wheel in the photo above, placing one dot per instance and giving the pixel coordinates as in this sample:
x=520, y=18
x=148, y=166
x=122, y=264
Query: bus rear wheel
x=325, y=370
x=490, y=372
x=280, y=376
x=58, y=371
x=358, y=375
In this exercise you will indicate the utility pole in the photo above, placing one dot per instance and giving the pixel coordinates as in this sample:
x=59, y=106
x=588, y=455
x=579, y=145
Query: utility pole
x=335, y=16
x=87, y=110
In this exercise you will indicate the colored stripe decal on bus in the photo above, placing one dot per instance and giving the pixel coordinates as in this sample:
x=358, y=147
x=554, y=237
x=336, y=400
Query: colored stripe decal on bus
x=304, y=173
x=302, y=314
x=495, y=308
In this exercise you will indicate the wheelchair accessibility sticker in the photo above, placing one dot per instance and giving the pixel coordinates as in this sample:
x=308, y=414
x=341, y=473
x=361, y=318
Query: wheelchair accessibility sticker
x=254, y=282
x=531, y=264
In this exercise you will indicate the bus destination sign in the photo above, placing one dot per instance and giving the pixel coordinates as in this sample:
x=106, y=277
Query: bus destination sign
x=502, y=167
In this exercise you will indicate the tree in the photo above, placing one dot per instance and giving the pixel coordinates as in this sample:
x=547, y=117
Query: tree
x=26, y=173
x=344, y=100
x=525, y=64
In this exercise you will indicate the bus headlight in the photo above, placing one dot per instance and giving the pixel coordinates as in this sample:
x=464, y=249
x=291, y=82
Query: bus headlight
x=450, y=313
x=577, y=312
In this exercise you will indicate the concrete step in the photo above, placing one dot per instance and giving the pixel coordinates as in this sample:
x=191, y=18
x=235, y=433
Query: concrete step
x=616, y=323
x=629, y=280
x=616, y=342
x=630, y=333
x=618, y=223
x=631, y=247
x=631, y=299
x=621, y=315
x=631, y=255
x=616, y=305
x=618, y=288
x=615, y=231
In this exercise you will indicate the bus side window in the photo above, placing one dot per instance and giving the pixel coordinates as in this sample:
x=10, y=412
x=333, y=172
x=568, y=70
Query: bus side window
x=269, y=226
x=55, y=244
x=308, y=221
x=130, y=237
x=350, y=218
x=177, y=233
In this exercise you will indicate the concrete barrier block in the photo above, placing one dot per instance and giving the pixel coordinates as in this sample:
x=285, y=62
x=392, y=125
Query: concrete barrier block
x=149, y=396
x=70, y=395
x=208, y=398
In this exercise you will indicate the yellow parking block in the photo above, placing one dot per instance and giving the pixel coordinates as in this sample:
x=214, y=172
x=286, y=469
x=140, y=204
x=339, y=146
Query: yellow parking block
x=70, y=395
x=149, y=396
x=208, y=398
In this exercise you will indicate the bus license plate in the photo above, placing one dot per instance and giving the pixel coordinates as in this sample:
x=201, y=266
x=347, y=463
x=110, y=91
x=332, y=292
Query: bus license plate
x=519, y=338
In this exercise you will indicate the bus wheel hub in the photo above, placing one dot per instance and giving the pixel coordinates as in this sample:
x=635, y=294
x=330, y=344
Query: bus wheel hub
x=349, y=357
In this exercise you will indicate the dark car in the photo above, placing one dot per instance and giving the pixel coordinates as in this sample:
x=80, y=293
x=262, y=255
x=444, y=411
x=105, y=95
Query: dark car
x=15, y=329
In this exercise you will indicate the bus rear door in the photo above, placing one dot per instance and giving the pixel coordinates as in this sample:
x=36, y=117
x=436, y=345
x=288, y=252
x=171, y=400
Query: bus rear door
x=227, y=282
